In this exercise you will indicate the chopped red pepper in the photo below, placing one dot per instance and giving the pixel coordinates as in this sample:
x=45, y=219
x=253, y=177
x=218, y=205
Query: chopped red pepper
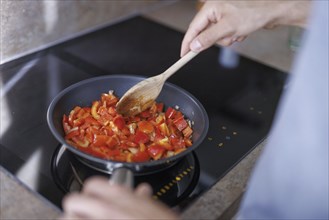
x=141, y=157
x=145, y=126
x=160, y=107
x=151, y=135
x=72, y=133
x=100, y=140
x=170, y=113
x=187, y=132
x=156, y=151
x=119, y=121
x=180, y=123
x=141, y=137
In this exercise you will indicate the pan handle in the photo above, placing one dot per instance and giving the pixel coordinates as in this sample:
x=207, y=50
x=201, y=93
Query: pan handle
x=122, y=176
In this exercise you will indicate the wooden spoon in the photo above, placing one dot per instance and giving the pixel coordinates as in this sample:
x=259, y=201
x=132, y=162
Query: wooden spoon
x=142, y=95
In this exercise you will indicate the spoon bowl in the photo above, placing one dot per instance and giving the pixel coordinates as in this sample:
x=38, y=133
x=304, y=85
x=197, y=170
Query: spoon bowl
x=142, y=95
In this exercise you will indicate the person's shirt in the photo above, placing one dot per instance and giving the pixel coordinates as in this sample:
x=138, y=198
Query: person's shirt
x=290, y=180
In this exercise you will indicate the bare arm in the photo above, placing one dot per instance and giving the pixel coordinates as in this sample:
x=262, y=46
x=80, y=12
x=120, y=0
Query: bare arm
x=224, y=22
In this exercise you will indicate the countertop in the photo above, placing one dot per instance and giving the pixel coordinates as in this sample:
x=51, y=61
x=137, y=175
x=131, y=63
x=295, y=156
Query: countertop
x=222, y=200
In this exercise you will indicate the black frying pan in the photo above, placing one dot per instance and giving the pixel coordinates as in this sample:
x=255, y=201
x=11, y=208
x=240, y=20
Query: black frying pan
x=85, y=92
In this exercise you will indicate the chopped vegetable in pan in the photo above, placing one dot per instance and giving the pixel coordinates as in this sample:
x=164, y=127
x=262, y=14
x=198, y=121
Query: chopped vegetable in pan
x=151, y=135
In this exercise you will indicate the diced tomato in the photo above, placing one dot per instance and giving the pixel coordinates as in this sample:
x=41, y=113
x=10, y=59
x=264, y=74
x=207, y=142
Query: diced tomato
x=141, y=157
x=141, y=137
x=119, y=122
x=145, y=126
x=156, y=151
x=170, y=113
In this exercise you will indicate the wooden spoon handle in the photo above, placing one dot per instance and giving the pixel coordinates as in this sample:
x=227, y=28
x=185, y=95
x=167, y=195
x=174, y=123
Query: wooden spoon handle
x=176, y=66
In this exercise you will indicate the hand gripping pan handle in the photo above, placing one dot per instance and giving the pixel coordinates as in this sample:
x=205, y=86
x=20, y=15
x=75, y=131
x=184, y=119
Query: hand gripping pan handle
x=122, y=176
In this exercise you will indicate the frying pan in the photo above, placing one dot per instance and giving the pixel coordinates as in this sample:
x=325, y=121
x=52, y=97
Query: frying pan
x=85, y=92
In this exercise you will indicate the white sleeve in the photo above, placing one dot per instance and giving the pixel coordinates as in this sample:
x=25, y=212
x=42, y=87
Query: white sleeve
x=290, y=180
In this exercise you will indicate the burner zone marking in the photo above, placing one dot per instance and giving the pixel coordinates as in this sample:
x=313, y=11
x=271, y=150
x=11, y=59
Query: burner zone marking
x=174, y=181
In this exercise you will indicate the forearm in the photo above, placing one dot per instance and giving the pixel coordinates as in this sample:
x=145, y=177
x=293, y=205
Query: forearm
x=225, y=22
x=291, y=12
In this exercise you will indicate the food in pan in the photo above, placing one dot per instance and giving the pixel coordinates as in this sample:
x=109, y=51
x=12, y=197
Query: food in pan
x=151, y=135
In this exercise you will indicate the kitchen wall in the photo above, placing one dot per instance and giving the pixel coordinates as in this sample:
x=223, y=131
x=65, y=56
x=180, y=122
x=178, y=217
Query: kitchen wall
x=29, y=25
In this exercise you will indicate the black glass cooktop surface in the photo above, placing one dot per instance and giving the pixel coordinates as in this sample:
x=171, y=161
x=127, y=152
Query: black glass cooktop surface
x=240, y=99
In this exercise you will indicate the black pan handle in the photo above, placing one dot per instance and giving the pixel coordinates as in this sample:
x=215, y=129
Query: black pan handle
x=122, y=176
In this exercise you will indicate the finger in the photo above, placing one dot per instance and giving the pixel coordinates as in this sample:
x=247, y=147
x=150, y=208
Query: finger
x=67, y=216
x=84, y=206
x=200, y=22
x=227, y=41
x=100, y=187
x=240, y=39
x=144, y=190
x=219, y=32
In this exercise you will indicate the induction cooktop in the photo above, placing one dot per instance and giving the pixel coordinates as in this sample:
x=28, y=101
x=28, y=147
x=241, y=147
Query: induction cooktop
x=240, y=99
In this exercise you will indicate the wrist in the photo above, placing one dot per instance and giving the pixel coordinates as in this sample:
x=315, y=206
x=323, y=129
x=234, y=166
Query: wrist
x=294, y=13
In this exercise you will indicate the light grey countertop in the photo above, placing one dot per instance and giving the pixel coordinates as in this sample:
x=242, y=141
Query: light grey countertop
x=221, y=201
